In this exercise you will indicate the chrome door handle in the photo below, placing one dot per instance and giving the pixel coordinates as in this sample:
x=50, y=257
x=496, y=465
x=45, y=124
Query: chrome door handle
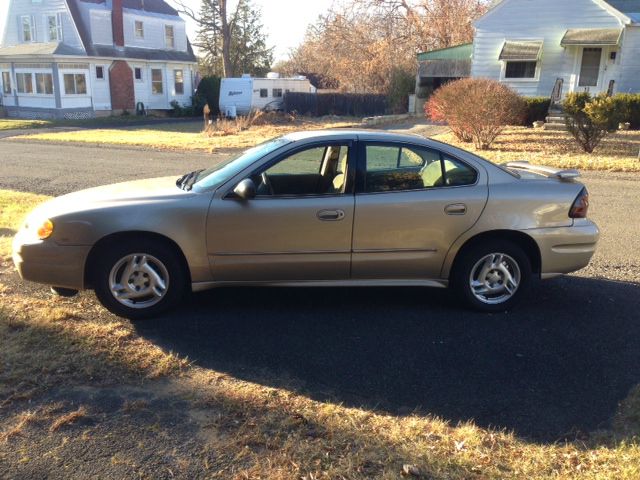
x=455, y=209
x=331, y=215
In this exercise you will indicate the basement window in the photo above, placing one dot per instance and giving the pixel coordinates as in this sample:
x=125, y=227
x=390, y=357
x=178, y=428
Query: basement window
x=521, y=70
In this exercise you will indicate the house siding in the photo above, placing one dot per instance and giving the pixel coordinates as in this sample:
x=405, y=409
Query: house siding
x=630, y=61
x=154, y=31
x=546, y=20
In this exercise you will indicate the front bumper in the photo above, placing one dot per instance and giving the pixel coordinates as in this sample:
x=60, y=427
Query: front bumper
x=49, y=263
x=566, y=249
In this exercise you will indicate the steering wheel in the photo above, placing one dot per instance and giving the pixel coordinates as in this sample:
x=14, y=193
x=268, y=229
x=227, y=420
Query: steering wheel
x=267, y=183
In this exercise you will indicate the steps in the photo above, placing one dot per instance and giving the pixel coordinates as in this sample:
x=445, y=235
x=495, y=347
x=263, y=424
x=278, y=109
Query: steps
x=555, y=121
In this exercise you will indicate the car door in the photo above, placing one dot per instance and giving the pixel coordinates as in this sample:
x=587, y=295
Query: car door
x=297, y=228
x=412, y=203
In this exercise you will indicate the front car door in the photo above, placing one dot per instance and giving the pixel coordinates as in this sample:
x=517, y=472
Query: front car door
x=412, y=203
x=299, y=225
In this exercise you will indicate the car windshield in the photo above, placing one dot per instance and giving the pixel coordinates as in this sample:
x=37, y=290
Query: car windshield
x=216, y=176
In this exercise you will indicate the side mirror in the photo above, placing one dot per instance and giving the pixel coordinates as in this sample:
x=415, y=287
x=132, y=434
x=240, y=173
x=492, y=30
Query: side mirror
x=246, y=189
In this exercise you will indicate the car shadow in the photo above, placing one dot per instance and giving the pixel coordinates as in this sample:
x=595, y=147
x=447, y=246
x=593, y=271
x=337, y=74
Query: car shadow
x=557, y=366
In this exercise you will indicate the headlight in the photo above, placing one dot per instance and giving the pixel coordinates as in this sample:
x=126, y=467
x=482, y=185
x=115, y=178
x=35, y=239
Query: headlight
x=45, y=229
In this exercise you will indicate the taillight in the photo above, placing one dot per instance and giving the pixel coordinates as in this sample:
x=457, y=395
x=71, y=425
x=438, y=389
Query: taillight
x=580, y=207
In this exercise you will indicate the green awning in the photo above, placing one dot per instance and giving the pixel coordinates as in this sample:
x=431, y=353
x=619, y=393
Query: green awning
x=528, y=51
x=591, y=36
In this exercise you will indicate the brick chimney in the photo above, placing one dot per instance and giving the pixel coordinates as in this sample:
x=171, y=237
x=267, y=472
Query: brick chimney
x=117, y=22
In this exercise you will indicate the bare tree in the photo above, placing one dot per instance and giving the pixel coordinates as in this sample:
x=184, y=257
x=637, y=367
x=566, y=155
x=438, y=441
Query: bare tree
x=215, y=29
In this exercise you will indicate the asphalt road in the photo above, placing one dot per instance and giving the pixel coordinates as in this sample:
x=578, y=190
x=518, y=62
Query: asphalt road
x=558, y=365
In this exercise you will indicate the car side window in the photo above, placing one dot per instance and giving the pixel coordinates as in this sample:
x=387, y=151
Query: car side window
x=401, y=167
x=457, y=173
x=319, y=170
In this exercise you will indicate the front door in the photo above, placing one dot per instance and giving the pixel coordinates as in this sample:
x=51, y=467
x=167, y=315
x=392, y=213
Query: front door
x=590, y=68
x=412, y=203
x=297, y=228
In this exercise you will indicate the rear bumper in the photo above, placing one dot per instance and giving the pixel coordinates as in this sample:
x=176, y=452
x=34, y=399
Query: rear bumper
x=49, y=263
x=566, y=249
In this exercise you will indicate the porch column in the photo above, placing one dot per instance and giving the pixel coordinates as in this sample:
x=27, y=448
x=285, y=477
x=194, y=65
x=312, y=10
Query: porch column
x=56, y=85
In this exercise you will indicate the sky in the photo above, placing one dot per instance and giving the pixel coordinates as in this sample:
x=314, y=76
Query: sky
x=285, y=21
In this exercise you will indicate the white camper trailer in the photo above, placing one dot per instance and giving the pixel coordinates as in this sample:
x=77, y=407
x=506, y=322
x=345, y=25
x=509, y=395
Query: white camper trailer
x=242, y=95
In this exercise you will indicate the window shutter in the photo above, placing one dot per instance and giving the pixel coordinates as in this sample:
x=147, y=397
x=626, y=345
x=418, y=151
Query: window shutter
x=60, y=37
x=34, y=30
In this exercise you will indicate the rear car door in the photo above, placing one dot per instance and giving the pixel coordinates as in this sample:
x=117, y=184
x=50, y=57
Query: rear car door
x=412, y=203
x=297, y=228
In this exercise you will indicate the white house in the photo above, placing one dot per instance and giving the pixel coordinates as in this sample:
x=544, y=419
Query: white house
x=574, y=45
x=82, y=58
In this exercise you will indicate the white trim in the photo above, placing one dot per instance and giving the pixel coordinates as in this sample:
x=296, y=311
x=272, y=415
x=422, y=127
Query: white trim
x=622, y=18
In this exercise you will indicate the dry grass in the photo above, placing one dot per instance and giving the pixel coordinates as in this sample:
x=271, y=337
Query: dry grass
x=618, y=152
x=249, y=431
x=189, y=136
x=68, y=419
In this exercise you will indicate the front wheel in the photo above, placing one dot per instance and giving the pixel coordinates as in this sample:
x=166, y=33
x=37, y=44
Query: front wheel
x=492, y=277
x=139, y=280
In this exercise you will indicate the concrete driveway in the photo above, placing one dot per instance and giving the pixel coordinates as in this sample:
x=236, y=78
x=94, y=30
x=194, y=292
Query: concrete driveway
x=558, y=365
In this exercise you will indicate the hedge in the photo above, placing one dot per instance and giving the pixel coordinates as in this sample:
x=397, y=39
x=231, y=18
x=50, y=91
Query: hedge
x=629, y=106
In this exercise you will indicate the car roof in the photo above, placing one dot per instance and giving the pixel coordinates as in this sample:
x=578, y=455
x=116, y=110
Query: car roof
x=351, y=133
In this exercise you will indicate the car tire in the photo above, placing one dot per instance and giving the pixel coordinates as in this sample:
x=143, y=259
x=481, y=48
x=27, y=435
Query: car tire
x=139, y=280
x=492, y=276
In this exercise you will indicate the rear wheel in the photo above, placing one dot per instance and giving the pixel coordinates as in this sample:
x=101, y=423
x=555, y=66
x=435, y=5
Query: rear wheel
x=492, y=276
x=138, y=280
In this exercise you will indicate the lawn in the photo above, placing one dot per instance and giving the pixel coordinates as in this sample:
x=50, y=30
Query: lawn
x=617, y=153
x=186, y=136
x=6, y=124
x=64, y=361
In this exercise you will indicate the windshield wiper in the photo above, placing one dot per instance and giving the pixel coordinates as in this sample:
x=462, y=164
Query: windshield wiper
x=186, y=182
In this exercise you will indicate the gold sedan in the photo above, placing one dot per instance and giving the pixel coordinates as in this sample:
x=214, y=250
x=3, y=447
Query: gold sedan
x=328, y=208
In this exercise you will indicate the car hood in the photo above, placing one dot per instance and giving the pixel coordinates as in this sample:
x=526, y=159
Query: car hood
x=127, y=193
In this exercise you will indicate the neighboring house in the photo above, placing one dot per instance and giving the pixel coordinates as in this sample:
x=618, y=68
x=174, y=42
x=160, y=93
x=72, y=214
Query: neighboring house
x=81, y=58
x=536, y=46
x=438, y=67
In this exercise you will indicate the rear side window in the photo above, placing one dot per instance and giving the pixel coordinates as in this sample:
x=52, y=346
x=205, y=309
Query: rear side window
x=406, y=167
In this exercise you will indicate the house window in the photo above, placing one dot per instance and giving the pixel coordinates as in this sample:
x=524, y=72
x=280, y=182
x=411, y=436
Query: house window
x=75, y=84
x=520, y=70
x=99, y=72
x=277, y=93
x=138, y=73
x=139, y=29
x=54, y=28
x=156, y=81
x=44, y=83
x=264, y=93
x=28, y=28
x=6, y=83
x=169, y=38
x=178, y=77
x=24, y=82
